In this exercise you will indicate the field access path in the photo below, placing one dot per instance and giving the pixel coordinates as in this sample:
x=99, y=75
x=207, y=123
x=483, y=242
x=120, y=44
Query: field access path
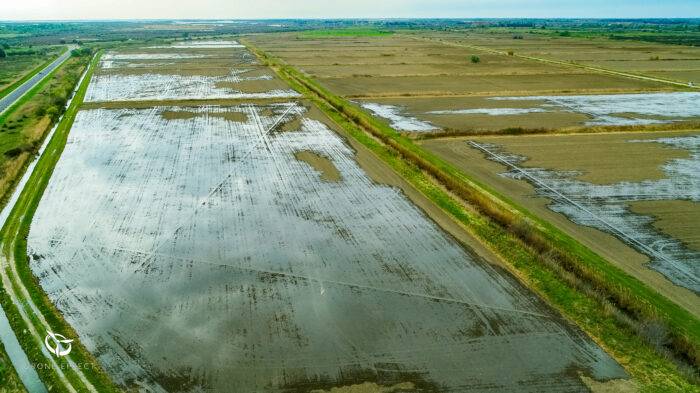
x=9, y=100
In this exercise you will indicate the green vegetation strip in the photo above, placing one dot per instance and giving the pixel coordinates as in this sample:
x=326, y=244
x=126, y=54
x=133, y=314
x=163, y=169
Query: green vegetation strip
x=13, y=237
x=19, y=83
x=603, y=300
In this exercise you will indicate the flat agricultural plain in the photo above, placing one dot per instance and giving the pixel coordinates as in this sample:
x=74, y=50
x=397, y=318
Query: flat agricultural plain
x=621, y=194
x=428, y=82
x=222, y=229
x=675, y=62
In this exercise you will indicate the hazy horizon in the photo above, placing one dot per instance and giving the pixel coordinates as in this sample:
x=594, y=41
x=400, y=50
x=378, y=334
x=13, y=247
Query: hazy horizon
x=78, y=10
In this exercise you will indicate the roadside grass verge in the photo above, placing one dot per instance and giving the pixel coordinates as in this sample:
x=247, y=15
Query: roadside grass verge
x=13, y=238
x=614, y=308
x=18, y=83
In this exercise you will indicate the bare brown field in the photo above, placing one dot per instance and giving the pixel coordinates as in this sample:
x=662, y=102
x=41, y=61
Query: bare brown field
x=676, y=218
x=602, y=159
x=486, y=84
x=590, y=152
x=400, y=65
x=689, y=76
x=322, y=164
x=630, y=56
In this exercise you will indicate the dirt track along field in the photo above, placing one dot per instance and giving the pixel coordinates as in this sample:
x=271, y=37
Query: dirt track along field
x=217, y=242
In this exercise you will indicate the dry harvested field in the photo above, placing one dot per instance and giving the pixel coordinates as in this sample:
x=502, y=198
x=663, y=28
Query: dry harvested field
x=399, y=65
x=223, y=239
x=420, y=84
x=620, y=194
x=676, y=62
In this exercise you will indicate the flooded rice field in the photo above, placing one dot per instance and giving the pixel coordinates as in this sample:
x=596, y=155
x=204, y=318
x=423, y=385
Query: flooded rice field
x=158, y=87
x=398, y=121
x=209, y=44
x=113, y=82
x=609, y=207
x=242, y=247
x=205, y=252
x=416, y=114
x=623, y=109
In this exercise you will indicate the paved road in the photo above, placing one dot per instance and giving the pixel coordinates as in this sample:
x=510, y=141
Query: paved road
x=7, y=101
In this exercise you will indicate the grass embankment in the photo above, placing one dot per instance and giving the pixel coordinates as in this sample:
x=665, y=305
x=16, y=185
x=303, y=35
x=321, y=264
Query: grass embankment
x=13, y=238
x=9, y=380
x=36, y=70
x=360, y=32
x=617, y=310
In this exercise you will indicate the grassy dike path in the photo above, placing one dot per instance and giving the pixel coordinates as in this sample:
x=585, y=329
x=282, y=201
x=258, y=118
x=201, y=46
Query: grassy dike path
x=612, y=307
x=29, y=310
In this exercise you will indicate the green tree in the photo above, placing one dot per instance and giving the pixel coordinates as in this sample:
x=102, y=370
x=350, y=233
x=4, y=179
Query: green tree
x=2, y=53
x=53, y=112
x=475, y=59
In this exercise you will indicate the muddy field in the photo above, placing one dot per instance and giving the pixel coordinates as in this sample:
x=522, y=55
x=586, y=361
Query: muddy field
x=245, y=242
x=628, y=186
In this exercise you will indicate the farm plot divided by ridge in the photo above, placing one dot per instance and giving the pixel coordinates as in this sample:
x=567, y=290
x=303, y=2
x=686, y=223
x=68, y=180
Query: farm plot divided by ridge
x=213, y=72
x=232, y=243
x=629, y=186
x=676, y=62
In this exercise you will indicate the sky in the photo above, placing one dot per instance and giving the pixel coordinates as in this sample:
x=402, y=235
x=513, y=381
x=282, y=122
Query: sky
x=272, y=9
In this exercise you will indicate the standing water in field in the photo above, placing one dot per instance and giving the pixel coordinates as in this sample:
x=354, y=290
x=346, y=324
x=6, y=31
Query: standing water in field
x=206, y=256
x=623, y=109
x=398, y=121
x=607, y=207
